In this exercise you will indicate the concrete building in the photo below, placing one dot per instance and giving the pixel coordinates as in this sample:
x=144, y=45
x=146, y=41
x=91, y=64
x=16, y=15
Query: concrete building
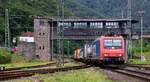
x=26, y=45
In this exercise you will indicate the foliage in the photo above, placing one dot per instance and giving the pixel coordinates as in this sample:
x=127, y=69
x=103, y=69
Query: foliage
x=110, y=8
x=80, y=9
x=22, y=13
x=72, y=46
x=12, y=60
x=5, y=57
x=137, y=48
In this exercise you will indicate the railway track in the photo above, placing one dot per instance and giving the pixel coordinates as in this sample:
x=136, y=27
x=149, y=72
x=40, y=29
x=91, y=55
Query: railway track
x=140, y=74
x=143, y=67
x=37, y=66
x=5, y=75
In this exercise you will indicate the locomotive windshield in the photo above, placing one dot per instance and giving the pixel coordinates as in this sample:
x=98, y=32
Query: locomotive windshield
x=108, y=44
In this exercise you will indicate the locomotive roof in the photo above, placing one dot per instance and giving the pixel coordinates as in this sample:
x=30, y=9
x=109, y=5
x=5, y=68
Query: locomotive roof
x=106, y=37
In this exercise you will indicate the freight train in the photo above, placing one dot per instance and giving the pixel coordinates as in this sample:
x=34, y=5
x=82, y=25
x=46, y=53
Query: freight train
x=104, y=50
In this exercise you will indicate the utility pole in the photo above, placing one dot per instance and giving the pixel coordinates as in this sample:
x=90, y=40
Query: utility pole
x=129, y=16
x=122, y=14
x=7, y=30
x=68, y=48
x=62, y=7
x=141, y=13
x=58, y=35
x=52, y=45
x=60, y=32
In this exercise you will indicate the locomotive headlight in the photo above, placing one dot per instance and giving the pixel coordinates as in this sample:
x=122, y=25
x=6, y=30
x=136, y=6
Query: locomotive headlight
x=120, y=54
x=105, y=54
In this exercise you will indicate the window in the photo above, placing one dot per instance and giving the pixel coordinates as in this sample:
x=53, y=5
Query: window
x=40, y=47
x=43, y=47
x=112, y=25
x=43, y=34
x=100, y=25
x=96, y=25
x=37, y=56
x=108, y=44
x=116, y=43
x=80, y=25
x=40, y=34
x=42, y=22
x=65, y=25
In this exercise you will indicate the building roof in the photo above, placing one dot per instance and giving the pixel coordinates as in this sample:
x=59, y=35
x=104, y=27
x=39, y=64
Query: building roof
x=27, y=34
x=98, y=20
x=86, y=19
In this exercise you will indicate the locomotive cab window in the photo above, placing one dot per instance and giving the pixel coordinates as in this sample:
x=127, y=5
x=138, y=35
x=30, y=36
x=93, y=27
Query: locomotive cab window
x=116, y=43
x=108, y=44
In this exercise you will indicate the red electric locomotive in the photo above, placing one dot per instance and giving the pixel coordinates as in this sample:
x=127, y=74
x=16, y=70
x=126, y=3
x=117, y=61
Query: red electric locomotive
x=109, y=50
x=104, y=50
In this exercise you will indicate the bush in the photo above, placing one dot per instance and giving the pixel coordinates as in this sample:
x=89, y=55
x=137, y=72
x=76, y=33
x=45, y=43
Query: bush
x=137, y=49
x=5, y=56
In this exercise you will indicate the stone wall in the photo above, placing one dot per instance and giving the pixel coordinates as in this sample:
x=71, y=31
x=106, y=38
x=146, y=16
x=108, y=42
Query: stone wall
x=26, y=49
x=42, y=36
